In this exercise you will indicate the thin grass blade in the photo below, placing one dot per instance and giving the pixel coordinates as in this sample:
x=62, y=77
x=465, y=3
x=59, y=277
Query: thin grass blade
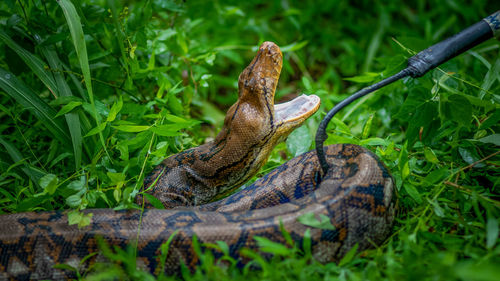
x=72, y=118
x=75, y=28
x=35, y=64
x=16, y=89
x=16, y=157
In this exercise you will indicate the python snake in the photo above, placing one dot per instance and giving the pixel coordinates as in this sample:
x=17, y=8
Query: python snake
x=356, y=195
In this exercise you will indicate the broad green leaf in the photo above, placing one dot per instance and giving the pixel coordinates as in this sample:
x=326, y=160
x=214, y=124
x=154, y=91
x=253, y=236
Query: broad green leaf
x=470, y=156
x=117, y=106
x=413, y=192
x=491, y=232
x=132, y=128
x=437, y=175
x=493, y=119
x=299, y=141
x=77, y=185
x=166, y=131
x=430, y=155
x=154, y=201
x=96, y=130
x=268, y=246
x=374, y=141
x=437, y=208
x=310, y=219
x=460, y=109
x=80, y=218
x=74, y=200
x=365, y=78
x=67, y=108
x=494, y=139
x=49, y=183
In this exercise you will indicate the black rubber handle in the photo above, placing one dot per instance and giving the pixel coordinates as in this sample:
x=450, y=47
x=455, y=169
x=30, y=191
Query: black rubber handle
x=439, y=53
x=418, y=65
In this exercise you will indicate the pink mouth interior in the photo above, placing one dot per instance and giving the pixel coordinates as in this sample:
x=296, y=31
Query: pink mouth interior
x=300, y=106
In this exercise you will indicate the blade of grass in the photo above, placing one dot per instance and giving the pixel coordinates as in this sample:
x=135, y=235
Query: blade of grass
x=36, y=64
x=16, y=89
x=72, y=118
x=119, y=35
x=16, y=157
x=78, y=38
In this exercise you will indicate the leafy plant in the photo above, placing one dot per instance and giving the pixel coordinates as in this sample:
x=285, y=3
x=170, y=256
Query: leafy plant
x=96, y=93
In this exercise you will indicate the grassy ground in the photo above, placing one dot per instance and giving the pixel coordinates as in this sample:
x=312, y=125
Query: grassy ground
x=95, y=93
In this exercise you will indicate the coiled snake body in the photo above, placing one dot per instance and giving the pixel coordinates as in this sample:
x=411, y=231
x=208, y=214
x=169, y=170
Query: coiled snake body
x=355, y=194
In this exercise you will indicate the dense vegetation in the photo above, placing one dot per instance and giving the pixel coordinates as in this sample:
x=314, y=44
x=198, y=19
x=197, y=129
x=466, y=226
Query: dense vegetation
x=95, y=93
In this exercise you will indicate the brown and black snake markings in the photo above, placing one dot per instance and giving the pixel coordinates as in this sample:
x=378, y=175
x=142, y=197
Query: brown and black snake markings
x=356, y=194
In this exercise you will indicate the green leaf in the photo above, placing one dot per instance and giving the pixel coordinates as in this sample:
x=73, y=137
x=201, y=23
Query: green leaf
x=36, y=64
x=457, y=108
x=154, y=201
x=164, y=251
x=374, y=141
x=437, y=175
x=365, y=78
x=78, y=39
x=413, y=192
x=367, y=127
x=299, y=141
x=23, y=95
x=493, y=119
x=430, y=155
x=17, y=157
x=268, y=246
x=490, y=77
x=74, y=200
x=67, y=108
x=96, y=130
x=491, y=232
x=72, y=119
x=470, y=156
x=437, y=209
x=77, y=185
x=349, y=256
x=49, y=183
x=403, y=164
x=132, y=128
x=323, y=222
x=117, y=106
x=295, y=46
x=494, y=139
x=80, y=218
x=65, y=267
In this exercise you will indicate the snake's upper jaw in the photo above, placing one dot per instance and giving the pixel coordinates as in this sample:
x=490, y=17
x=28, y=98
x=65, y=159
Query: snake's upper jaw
x=292, y=114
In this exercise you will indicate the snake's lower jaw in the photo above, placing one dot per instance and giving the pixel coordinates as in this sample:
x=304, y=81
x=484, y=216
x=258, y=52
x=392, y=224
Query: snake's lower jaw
x=292, y=114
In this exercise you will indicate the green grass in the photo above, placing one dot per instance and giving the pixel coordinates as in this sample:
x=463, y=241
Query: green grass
x=94, y=94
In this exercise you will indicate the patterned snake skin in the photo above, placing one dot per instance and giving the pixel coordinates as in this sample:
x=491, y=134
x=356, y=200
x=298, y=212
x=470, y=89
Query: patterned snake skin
x=356, y=194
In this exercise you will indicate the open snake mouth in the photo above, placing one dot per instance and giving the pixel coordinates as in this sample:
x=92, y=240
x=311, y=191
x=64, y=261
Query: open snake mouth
x=296, y=110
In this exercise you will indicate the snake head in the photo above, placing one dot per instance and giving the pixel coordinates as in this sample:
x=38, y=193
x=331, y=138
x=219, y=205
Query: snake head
x=255, y=111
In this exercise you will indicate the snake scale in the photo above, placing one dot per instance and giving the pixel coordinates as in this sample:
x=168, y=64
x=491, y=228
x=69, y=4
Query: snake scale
x=356, y=195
